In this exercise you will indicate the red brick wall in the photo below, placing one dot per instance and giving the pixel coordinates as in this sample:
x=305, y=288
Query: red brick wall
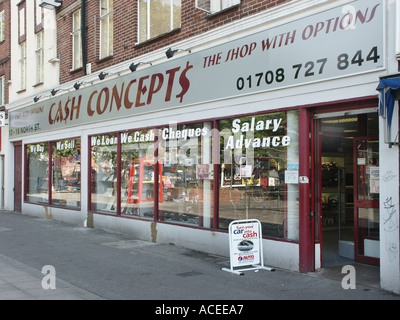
x=194, y=22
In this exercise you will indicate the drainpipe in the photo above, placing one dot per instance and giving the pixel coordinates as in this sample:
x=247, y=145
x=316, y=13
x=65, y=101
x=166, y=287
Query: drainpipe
x=83, y=35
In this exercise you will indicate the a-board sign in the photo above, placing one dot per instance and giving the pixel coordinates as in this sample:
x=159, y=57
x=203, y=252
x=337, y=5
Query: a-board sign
x=245, y=246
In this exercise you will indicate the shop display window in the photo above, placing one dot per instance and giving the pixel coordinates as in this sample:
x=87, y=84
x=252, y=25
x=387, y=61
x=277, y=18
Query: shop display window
x=37, y=187
x=259, y=172
x=103, y=176
x=138, y=174
x=184, y=152
x=167, y=174
x=66, y=173
x=56, y=182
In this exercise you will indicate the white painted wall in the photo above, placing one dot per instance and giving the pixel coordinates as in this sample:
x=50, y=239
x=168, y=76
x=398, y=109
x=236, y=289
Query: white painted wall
x=389, y=211
x=51, y=70
x=389, y=170
x=19, y=99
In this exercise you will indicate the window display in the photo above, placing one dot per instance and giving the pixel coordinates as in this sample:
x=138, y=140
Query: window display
x=138, y=174
x=103, y=182
x=187, y=178
x=56, y=182
x=167, y=174
x=66, y=173
x=37, y=173
x=259, y=172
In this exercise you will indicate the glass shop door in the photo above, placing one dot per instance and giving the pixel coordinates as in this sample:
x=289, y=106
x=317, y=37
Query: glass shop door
x=366, y=199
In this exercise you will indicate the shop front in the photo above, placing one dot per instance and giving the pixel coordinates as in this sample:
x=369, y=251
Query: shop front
x=346, y=183
x=290, y=140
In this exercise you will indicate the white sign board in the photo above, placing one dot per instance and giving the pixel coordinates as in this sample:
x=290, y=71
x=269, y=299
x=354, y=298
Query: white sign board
x=245, y=243
x=339, y=42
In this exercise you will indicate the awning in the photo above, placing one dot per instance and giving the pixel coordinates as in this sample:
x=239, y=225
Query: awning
x=389, y=88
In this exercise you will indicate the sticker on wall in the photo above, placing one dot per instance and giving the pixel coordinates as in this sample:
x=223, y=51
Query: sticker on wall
x=303, y=179
x=291, y=177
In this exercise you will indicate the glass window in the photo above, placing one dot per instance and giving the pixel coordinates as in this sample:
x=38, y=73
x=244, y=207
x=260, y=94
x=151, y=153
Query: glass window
x=259, y=172
x=38, y=173
x=214, y=6
x=138, y=174
x=2, y=26
x=2, y=92
x=21, y=20
x=56, y=183
x=167, y=174
x=187, y=174
x=106, y=28
x=66, y=173
x=22, y=64
x=76, y=40
x=157, y=17
x=39, y=13
x=104, y=173
x=218, y=5
x=39, y=57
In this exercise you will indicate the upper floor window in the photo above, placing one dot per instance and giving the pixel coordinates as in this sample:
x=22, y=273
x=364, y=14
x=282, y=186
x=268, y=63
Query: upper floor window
x=39, y=57
x=157, y=17
x=106, y=28
x=39, y=13
x=2, y=94
x=21, y=21
x=214, y=6
x=2, y=26
x=76, y=40
x=22, y=64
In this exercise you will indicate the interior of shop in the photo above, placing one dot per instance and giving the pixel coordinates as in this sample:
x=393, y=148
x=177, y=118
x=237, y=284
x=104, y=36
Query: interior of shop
x=336, y=163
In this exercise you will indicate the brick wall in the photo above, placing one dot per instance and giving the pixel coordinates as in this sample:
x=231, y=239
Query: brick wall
x=193, y=23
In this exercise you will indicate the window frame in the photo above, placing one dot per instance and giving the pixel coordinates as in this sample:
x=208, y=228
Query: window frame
x=2, y=26
x=210, y=215
x=2, y=90
x=38, y=14
x=221, y=5
x=76, y=34
x=148, y=35
x=22, y=65
x=21, y=24
x=50, y=192
x=39, y=53
x=213, y=7
x=106, y=29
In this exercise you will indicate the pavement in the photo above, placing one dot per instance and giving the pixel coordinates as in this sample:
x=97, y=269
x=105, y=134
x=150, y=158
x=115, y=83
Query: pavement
x=42, y=259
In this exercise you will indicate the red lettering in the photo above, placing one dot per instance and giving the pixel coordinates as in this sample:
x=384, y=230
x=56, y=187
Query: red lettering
x=153, y=89
x=171, y=73
x=141, y=90
x=51, y=110
x=100, y=110
x=90, y=111
x=127, y=102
